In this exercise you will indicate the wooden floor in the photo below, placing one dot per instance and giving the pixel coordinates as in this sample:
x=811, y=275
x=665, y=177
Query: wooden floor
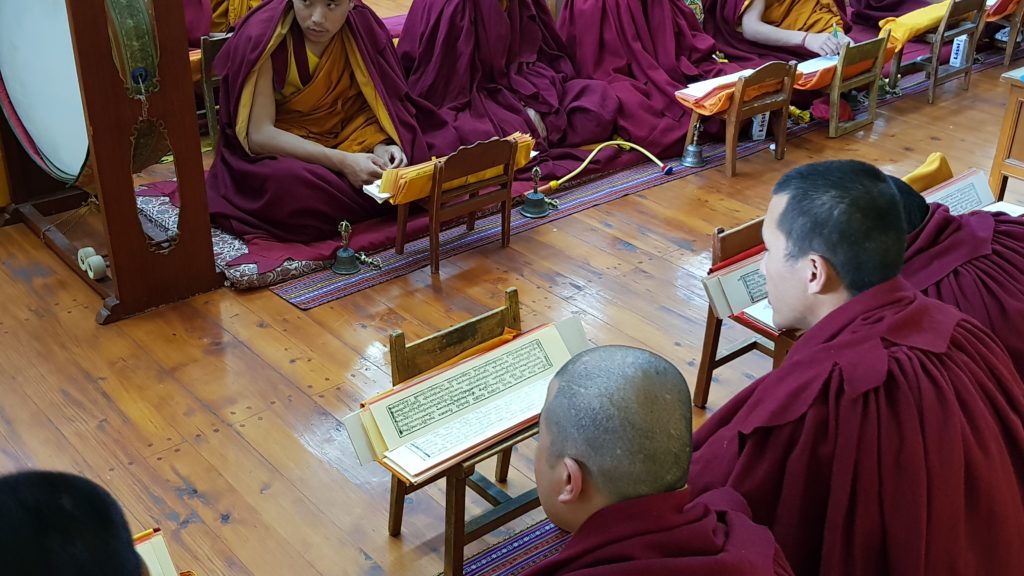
x=217, y=419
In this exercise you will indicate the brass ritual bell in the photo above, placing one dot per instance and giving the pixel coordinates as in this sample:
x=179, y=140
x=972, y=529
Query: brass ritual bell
x=345, y=260
x=537, y=205
x=693, y=156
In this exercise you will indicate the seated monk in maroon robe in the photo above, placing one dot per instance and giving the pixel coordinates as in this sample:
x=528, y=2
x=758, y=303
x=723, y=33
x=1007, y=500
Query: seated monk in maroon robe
x=973, y=262
x=494, y=67
x=647, y=50
x=611, y=467
x=890, y=440
x=313, y=107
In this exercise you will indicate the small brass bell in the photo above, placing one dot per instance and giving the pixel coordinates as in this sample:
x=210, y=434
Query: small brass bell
x=693, y=156
x=537, y=204
x=345, y=260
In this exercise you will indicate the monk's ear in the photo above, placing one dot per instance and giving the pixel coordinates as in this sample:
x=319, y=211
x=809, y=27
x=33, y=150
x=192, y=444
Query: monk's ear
x=572, y=481
x=819, y=274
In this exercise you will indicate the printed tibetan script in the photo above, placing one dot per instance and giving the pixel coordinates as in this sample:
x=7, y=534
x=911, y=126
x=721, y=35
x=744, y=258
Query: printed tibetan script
x=482, y=423
x=461, y=391
x=755, y=284
x=963, y=198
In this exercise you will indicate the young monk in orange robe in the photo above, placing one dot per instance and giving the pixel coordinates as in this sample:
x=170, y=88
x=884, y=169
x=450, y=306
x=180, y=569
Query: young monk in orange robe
x=752, y=32
x=313, y=106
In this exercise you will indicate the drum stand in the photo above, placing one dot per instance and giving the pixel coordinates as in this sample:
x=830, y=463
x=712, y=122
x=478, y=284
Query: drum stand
x=146, y=267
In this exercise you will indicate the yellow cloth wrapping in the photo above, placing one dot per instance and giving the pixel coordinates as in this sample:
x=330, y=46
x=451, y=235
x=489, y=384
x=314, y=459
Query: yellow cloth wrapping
x=800, y=15
x=913, y=24
x=331, y=109
x=412, y=183
x=933, y=172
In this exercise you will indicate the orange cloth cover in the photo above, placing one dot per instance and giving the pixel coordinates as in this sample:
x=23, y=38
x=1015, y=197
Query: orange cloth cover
x=720, y=99
x=1001, y=9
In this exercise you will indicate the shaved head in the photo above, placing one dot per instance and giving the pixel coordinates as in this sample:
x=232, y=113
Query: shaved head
x=624, y=415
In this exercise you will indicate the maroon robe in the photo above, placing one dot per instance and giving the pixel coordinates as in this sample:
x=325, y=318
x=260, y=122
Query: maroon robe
x=647, y=50
x=975, y=263
x=198, y=18
x=670, y=534
x=889, y=442
x=480, y=65
x=871, y=12
x=284, y=207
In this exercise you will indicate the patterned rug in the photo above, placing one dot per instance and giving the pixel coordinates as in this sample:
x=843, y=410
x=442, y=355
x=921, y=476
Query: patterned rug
x=519, y=553
x=325, y=286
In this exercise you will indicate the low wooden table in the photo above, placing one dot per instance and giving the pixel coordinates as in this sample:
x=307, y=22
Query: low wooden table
x=1009, y=159
x=457, y=531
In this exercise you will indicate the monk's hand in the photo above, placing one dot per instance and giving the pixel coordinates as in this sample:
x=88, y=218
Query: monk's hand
x=361, y=169
x=391, y=154
x=824, y=44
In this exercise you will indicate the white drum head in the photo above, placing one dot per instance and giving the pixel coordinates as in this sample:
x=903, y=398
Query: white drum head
x=37, y=65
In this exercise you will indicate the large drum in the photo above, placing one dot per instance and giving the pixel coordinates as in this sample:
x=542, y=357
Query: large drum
x=40, y=93
x=39, y=90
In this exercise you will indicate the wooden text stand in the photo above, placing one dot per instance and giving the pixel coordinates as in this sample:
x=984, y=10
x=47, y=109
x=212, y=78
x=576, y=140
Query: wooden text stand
x=458, y=532
x=141, y=279
x=412, y=360
x=1009, y=158
x=726, y=245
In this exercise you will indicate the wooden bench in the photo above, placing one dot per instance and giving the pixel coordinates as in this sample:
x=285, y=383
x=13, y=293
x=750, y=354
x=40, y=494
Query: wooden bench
x=746, y=105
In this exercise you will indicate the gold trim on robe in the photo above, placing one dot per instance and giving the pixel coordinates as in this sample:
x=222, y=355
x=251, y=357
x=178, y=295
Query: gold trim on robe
x=331, y=109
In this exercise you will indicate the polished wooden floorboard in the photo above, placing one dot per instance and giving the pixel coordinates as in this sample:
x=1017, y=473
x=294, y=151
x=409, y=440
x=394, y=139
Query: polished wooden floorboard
x=217, y=419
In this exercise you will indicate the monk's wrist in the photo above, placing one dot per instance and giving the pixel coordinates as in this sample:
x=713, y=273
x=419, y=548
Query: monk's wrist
x=803, y=41
x=340, y=160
